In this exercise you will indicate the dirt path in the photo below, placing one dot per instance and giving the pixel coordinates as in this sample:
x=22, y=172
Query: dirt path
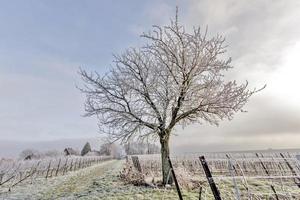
x=71, y=186
x=83, y=183
x=96, y=182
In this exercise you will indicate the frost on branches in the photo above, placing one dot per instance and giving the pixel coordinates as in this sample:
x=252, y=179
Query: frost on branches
x=176, y=78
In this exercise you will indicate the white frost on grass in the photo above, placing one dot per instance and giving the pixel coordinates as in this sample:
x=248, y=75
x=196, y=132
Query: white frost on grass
x=38, y=188
x=100, y=181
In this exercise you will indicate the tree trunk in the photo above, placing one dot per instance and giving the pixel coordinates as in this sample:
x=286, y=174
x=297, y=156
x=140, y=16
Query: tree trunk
x=165, y=152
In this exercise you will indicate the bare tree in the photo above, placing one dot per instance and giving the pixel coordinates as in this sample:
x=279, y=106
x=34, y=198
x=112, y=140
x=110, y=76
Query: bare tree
x=29, y=154
x=132, y=148
x=86, y=148
x=176, y=78
x=52, y=153
x=105, y=149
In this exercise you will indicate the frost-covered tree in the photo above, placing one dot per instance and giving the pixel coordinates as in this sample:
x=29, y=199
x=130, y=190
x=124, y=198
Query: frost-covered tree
x=86, y=148
x=176, y=78
x=70, y=151
x=111, y=149
x=52, y=153
x=28, y=154
x=132, y=148
x=105, y=149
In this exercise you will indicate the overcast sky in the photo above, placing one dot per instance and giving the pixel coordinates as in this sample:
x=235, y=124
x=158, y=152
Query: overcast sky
x=43, y=44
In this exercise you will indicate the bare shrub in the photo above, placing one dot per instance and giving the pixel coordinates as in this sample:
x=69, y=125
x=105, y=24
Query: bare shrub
x=132, y=176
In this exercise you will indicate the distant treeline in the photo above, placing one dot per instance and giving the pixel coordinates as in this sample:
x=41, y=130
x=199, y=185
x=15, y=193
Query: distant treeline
x=141, y=148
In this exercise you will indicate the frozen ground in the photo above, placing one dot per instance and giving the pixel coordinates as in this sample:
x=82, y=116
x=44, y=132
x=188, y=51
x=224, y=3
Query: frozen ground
x=97, y=182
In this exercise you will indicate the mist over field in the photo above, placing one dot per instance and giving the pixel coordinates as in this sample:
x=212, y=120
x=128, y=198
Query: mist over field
x=12, y=149
x=39, y=69
x=153, y=99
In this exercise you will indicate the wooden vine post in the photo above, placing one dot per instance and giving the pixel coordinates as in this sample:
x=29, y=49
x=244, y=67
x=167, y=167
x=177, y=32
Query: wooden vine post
x=175, y=179
x=210, y=179
x=267, y=172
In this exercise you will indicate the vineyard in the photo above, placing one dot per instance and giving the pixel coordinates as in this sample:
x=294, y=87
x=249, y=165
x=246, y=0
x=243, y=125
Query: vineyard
x=254, y=176
x=236, y=176
x=13, y=173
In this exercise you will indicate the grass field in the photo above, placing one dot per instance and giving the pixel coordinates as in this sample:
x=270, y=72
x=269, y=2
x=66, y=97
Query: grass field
x=100, y=181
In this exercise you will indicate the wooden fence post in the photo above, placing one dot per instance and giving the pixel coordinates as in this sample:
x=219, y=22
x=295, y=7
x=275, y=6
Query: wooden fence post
x=57, y=167
x=292, y=170
x=210, y=179
x=71, y=165
x=175, y=179
x=48, y=169
x=200, y=193
x=79, y=163
x=65, y=166
x=136, y=163
x=267, y=172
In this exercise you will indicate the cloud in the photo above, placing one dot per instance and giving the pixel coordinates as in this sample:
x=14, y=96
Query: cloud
x=269, y=122
x=257, y=31
x=39, y=101
x=263, y=38
x=43, y=103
